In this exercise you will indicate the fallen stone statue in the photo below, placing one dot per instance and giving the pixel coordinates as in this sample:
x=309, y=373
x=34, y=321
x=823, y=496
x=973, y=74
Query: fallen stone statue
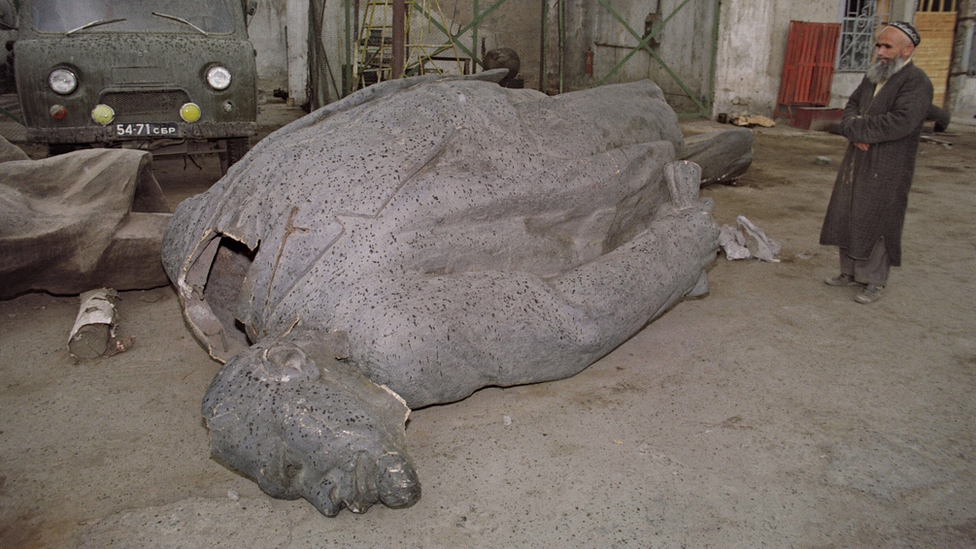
x=414, y=242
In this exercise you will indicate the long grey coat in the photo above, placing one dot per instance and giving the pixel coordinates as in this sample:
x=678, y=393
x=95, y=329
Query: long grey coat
x=871, y=191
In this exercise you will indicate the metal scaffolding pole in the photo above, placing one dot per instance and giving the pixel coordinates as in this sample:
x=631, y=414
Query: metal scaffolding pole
x=399, y=39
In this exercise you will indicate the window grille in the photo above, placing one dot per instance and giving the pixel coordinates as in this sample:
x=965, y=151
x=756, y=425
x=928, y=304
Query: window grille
x=860, y=21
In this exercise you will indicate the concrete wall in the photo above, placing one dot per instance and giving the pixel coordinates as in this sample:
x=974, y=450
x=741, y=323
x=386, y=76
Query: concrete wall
x=279, y=32
x=681, y=63
x=747, y=76
x=516, y=24
x=961, y=98
x=743, y=84
x=751, y=46
x=267, y=32
x=296, y=35
x=753, y=35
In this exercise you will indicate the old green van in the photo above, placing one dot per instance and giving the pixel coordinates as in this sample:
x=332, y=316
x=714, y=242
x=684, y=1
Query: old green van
x=168, y=76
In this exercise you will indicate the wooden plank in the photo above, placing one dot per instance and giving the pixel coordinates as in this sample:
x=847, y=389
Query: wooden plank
x=934, y=53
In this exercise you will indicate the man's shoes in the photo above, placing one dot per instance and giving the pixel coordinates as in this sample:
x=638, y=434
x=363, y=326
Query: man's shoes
x=869, y=294
x=841, y=280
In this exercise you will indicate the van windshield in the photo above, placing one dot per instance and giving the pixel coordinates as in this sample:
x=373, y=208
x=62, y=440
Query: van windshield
x=164, y=16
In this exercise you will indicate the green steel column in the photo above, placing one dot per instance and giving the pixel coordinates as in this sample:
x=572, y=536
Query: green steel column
x=711, y=71
x=545, y=33
x=474, y=37
x=347, y=70
x=562, y=43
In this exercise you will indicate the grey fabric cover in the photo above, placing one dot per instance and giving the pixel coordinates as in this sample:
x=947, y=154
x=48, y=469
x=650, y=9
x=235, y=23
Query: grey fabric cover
x=79, y=221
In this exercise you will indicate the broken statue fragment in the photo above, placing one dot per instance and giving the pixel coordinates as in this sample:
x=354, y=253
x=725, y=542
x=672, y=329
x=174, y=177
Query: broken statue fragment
x=414, y=242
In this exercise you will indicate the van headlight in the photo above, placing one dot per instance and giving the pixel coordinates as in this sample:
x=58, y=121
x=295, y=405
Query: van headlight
x=218, y=77
x=62, y=81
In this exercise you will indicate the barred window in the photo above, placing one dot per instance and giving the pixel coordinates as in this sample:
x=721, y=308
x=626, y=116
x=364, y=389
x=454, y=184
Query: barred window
x=860, y=21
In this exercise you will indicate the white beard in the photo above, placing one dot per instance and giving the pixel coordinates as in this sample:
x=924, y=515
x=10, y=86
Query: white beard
x=879, y=71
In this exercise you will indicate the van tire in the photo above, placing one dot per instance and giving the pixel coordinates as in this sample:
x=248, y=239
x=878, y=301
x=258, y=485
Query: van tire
x=237, y=147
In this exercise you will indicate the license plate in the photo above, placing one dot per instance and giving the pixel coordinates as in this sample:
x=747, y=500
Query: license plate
x=145, y=129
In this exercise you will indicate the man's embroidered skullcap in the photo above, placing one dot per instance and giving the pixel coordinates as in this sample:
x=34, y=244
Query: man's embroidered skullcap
x=908, y=30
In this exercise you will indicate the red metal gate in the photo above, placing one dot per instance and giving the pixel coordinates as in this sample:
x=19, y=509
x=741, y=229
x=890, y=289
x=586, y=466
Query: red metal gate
x=809, y=66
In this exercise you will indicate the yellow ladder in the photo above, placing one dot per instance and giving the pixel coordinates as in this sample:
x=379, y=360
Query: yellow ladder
x=426, y=50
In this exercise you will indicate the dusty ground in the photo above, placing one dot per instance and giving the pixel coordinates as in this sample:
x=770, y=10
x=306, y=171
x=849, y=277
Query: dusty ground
x=775, y=412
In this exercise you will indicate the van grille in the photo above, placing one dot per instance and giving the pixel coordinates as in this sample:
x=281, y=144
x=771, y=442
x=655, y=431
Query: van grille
x=147, y=106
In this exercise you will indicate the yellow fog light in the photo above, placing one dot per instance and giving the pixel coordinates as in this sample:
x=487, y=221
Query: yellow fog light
x=103, y=114
x=190, y=112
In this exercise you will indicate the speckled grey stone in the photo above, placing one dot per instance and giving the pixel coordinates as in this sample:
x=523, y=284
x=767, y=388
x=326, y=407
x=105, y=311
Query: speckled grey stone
x=417, y=241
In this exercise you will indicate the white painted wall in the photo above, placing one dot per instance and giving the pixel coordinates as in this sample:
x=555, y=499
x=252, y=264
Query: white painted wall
x=296, y=19
x=753, y=36
x=684, y=46
x=962, y=86
x=333, y=38
x=266, y=31
x=743, y=84
x=279, y=32
x=964, y=107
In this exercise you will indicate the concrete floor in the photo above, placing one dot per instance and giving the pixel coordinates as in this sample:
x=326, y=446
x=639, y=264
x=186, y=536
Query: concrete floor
x=774, y=412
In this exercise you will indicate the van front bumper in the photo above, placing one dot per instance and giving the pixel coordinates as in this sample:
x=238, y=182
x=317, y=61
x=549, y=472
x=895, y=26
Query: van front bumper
x=107, y=134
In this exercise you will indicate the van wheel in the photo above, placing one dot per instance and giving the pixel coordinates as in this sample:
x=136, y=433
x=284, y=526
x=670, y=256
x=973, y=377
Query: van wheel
x=237, y=147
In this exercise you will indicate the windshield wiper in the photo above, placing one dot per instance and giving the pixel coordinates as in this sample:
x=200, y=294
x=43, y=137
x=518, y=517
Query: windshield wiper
x=96, y=23
x=181, y=20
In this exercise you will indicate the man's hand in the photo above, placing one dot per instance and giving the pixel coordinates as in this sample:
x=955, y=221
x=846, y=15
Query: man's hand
x=862, y=146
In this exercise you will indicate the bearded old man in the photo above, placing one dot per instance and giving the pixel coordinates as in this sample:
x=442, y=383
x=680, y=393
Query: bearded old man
x=883, y=121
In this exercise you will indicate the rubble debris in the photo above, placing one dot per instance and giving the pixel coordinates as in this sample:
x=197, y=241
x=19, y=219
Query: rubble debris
x=95, y=324
x=755, y=120
x=753, y=242
x=935, y=141
x=733, y=242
